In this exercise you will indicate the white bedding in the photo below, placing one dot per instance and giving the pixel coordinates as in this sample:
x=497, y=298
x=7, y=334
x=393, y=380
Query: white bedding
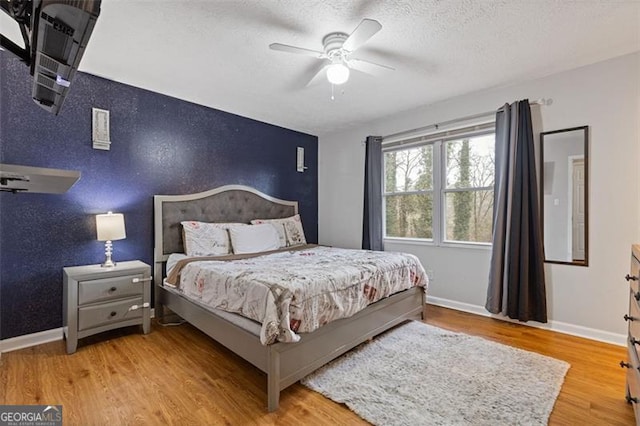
x=293, y=292
x=172, y=260
x=247, y=324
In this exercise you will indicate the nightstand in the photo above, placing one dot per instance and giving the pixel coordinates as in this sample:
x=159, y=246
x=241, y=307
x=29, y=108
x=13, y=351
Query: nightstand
x=97, y=299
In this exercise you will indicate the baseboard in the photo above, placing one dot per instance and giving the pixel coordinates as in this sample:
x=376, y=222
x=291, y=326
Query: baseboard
x=34, y=339
x=28, y=340
x=558, y=326
x=52, y=335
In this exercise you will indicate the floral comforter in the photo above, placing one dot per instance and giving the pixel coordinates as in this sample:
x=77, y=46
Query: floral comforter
x=297, y=291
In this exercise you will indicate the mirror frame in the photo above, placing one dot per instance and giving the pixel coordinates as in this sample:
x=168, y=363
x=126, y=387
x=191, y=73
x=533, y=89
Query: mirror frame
x=586, y=193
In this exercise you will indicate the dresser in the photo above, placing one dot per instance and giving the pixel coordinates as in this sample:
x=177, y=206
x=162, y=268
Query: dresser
x=97, y=299
x=632, y=365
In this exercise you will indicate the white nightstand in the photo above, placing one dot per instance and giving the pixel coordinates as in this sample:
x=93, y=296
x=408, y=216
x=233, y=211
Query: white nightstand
x=97, y=299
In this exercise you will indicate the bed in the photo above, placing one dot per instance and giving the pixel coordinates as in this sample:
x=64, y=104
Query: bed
x=283, y=363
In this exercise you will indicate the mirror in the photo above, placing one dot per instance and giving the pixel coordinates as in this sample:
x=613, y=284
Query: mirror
x=564, y=200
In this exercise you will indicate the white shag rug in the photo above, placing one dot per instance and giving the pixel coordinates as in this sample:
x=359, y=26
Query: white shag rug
x=418, y=374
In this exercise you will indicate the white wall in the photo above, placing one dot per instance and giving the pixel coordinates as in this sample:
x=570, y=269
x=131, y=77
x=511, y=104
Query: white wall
x=604, y=96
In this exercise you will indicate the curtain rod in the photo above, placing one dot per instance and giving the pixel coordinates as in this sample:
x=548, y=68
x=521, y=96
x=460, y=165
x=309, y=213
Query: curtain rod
x=541, y=101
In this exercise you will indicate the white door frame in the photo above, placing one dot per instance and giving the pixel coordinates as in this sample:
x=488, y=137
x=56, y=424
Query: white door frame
x=570, y=160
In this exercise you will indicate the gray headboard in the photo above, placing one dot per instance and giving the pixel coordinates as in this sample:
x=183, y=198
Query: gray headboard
x=230, y=203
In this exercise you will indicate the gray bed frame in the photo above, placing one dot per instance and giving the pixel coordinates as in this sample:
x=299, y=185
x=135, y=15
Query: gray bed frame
x=284, y=363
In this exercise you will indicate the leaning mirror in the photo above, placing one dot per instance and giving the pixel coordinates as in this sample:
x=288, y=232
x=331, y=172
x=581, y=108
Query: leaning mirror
x=564, y=189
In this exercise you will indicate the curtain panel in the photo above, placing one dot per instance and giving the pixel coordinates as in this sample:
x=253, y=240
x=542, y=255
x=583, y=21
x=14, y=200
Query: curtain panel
x=372, y=232
x=516, y=277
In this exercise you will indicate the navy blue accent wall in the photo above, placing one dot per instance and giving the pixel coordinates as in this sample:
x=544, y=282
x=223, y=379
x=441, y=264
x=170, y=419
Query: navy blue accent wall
x=160, y=145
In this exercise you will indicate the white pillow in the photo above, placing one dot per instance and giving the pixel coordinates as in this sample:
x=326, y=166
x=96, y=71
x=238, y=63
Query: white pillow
x=279, y=228
x=292, y=226
x=254, y=238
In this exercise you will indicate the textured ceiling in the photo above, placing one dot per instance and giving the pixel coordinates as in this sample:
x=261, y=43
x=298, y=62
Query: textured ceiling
x=215, y=53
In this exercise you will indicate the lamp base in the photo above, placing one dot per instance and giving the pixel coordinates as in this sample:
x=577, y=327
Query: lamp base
x=108, y=249
x=108, y=264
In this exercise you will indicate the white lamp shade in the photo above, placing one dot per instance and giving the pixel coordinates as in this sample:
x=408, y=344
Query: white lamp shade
x=110, y=227
x=337, y=73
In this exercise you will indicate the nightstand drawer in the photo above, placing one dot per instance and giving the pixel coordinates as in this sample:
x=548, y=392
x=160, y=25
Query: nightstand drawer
x=108, y=288
x=106, y=313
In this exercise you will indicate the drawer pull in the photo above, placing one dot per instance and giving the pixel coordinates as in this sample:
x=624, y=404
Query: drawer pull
x=631, y=399
x=113, y=314
x=140, y=280
x=634, y=341
x=112, y=289
x=637, y=296
x=631, y=278
x=628, y=318
x=627, y=365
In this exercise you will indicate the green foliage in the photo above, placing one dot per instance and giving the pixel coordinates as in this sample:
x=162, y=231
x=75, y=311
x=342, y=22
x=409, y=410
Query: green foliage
x=389, y=186
x=424, y=204
x=462, y=201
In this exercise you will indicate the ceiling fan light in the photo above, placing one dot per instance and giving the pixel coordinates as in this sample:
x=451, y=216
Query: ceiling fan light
x=337, y=73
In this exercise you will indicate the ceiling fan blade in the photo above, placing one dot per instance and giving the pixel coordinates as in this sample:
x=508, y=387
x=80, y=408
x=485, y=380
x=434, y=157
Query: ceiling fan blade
x=297, y=50
x=367, y=29
x=368, y=66
x=318, y=76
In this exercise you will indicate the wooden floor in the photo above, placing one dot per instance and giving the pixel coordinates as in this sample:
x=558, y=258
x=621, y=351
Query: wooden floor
x=177, y=375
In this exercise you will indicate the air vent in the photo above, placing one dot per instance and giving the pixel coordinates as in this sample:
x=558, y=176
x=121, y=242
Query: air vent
x=56, y=44
x=48, y=63
x=47, y=82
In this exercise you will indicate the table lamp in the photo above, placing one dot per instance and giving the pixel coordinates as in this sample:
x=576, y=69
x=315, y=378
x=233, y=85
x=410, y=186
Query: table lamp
x=110, y=227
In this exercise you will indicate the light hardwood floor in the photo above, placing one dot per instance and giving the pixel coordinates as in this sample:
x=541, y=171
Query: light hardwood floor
x=177, y=375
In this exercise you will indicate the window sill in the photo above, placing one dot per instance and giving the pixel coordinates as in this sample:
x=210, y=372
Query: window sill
x=473, y=246
x=410, y=241
x=431, y=243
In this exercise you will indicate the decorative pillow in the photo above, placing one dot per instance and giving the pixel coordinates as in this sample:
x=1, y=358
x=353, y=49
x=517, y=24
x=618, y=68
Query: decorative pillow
x=293, y=231
x=207, y=239
x=254, y=239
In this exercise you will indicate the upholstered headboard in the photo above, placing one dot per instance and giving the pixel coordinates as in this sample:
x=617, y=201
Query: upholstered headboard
x=230, y=203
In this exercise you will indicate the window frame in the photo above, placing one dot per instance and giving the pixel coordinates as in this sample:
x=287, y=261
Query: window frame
x=439, y=190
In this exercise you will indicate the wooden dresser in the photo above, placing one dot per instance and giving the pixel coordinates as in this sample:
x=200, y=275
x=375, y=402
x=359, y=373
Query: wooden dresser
x=633, y=343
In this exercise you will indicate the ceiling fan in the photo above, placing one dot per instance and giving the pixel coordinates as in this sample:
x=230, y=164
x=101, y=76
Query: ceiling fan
x=338, y=50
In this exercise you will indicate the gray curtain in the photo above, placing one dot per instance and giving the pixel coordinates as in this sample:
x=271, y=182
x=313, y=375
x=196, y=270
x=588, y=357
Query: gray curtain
x=516, y=276
x=372, y=217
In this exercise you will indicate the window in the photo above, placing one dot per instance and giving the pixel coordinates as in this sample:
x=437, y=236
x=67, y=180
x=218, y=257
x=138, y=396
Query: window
x=440, y=187
x=409, y=192
x=468, y=191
